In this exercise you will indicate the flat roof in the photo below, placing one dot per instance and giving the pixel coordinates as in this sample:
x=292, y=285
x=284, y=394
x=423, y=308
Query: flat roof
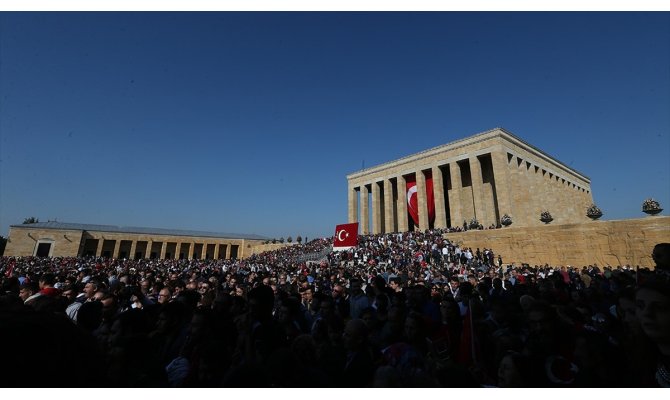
x=135, y=229
x=499, y=131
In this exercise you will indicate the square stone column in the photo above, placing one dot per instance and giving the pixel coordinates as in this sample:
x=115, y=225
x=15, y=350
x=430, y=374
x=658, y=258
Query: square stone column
x=98, y=250
x=117, y=247
x=389, y=223
x=203, y=253
x=518, y=195
x=422, y=200
x=228, y=250
x=376, y=209
x=536, y=200
x=401, y=205
x=147, y=253
x=455, y=195
x=133, y=249
x=481, y=213
x=216, y=251
x=163, y=250
x=177, y=250
x=352, y=199
x=553, y=202
x=501, y=175
x=365, y=214
x=191, y=247
x=438, y=194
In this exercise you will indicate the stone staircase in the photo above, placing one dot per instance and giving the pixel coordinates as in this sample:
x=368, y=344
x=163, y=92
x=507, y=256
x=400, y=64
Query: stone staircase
x=316, y=257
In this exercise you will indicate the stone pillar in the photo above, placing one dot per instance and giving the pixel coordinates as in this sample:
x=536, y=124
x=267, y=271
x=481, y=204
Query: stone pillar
x=365, y=214
x=588, y=199
x=228, y=249
x=203, y=255
x=503, y=183
x=455, y=195
x=536, y=200
x=376, y=209
x=177, y=250
x=117, y=247
x=518, y=193
x=133, y=249
x=216, y=251
x=147, y=253
x=163, y=250
x=352, y=197
x=563, y=208
x=401, y=206
x=481, y=213
x=98, y=250
x=191, y=247
x=550, y=198
x=438, y=194
x=389, y=222
x=422, y=200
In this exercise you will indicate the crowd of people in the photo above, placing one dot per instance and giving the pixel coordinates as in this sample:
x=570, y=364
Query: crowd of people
x=399, y=310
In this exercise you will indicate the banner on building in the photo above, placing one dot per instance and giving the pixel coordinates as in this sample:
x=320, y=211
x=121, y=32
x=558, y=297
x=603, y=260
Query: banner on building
x=413, y=199
x=346, y=236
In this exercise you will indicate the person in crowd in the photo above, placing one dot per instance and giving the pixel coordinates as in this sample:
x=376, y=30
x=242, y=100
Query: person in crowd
x=661, y=257
x=28, y=292
x=652, y=301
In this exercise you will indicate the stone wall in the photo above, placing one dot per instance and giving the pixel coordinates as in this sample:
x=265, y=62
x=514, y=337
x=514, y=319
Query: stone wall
x=268, y=247
x=618, y=242
x=23, y=241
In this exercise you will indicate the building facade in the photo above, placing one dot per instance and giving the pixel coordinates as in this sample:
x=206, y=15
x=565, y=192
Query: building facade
x=481, y=177
x=59, y=239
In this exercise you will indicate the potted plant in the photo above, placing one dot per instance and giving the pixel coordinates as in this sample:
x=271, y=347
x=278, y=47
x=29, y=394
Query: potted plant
x=594, y=212
x=546, y=217
x=506, y=220
x=651, y=207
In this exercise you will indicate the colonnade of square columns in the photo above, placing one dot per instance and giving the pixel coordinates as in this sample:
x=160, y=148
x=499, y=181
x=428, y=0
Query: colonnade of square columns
x=482, y=186
x=387, y=199
x=130, y=249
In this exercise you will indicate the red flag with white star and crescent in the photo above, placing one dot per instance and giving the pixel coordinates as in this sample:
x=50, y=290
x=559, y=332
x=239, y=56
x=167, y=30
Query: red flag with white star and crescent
x=346, y=236
x=413, y=201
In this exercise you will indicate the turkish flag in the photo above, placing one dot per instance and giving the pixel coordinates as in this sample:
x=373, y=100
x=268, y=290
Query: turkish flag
x=346, y=236
x=413, y=202
x=412, y=199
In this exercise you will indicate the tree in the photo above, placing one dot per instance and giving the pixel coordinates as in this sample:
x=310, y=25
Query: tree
x=274, y=241
x=298, y=239
x=281, y=239
x=290, y=239
x=31, y=220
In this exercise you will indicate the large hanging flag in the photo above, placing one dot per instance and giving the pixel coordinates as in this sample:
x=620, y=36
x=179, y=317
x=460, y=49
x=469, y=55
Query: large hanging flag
x=346, y=236
x=413, y=201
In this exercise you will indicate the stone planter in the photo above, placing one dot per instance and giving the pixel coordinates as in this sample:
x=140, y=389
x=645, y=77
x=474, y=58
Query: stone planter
x=594, y=216
x=653, y=211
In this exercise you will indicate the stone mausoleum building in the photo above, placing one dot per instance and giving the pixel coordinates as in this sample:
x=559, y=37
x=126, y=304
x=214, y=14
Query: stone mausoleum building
x=59, y=239
x=483, y=177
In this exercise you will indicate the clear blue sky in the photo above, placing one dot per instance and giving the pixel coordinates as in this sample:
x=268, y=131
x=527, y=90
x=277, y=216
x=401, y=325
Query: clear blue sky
x=250, y=122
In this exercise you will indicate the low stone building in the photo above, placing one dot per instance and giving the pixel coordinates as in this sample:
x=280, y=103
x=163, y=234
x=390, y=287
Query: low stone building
x=60, y=239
